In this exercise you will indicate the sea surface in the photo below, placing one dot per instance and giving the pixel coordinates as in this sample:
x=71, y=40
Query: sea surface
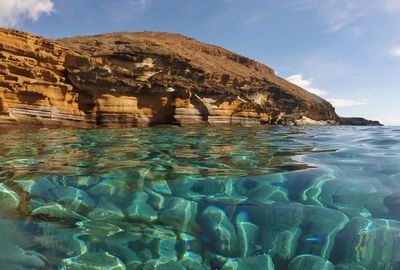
x=168, y=198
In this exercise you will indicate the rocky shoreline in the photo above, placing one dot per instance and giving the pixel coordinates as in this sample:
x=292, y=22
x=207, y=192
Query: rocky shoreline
x=143, y=79
x=357, y=121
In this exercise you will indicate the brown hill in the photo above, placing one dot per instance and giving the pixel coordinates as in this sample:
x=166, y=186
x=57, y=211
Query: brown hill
x=139, y=79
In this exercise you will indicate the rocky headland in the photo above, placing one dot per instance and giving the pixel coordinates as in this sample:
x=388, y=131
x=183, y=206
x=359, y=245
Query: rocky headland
x=143, y=79
x=357, y=121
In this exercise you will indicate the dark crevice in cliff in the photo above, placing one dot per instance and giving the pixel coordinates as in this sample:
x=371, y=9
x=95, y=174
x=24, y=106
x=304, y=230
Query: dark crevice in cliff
x=86, y=102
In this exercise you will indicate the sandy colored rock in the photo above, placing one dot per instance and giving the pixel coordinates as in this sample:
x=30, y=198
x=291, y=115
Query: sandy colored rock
x=141, y=79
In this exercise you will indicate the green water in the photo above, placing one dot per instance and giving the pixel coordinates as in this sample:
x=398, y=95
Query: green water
x=201, y=198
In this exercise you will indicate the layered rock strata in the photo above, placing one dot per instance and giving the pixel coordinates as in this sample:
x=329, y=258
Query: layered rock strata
x=142, y=79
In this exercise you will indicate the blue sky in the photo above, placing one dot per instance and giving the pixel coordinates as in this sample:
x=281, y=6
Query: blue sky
x=347, y=51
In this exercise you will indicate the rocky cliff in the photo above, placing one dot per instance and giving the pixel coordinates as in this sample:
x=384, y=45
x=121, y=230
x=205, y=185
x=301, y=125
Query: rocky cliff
x=357, y=121
x=141, y=79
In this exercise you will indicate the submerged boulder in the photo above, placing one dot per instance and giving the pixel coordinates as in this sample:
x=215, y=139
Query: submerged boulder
x=9, y=200
x=290, y=227
x=218, y=230
x=310, y=262
x=249, y=263
x=179, y=213
x=371, y=243
x=106, y=210
x=95, y=261
x=140, y=209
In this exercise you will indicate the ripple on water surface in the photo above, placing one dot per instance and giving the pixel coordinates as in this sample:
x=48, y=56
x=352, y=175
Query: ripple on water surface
x=201, y=198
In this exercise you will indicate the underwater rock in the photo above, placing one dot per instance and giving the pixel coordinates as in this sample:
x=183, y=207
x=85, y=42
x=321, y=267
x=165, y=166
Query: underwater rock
x=310, y=262
x=145, y=255
x=192, y=261
x=307, y=187
x=280, y=225
x=26, y=185
x=360, y=195
x=318, y=226
x=48, y=188
x=139, y=209
x=268, y=193
x=275, y=215
x=331, y=188
x=159, y=186
x=164, y=246
x=218, y=230
x=139, y=243
x=43, y=187
x=119, y=245
x=196, y=190
x=106, y=210
x=136, y=265
x=55, y=210
x=393, y=204
x=353, y=212
x=98, y=228
x=183, y=188
x=280, y=243
x=93, y=261
x=9, y=200
x=189, y=247
x=57, y=240
x=156, y=200
x=124, y=253
x=263, y=262
x=349, y=267
x=80, y=181
x=12, y=256
x=162, y=265
x=372, y=243
x=73, y=198
x=247, y=233
x=227, y=203
x=179, y=213
x=112, y=188
x=213, y=187
x=27, y=258
x=265, y=188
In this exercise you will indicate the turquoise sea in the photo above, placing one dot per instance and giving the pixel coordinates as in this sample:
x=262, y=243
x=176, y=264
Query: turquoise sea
x=168, y=198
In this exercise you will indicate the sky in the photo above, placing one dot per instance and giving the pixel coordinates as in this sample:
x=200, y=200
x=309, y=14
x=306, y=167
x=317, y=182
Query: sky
x=346, y=51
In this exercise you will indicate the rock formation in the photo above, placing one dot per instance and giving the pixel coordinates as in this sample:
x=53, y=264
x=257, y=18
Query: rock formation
x=141, y=79
x=357, y=121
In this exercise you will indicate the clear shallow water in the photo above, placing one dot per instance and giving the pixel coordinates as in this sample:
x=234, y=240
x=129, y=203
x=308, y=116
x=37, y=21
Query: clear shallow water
x=202, y=198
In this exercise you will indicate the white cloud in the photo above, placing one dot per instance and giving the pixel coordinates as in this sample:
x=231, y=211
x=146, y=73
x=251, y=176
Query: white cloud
x=342, y=102
x=395, y=51
x=13, y=12
x=298, y=80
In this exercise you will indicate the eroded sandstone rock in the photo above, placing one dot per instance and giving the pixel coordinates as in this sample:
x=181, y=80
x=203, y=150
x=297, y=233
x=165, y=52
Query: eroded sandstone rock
x=141, y=79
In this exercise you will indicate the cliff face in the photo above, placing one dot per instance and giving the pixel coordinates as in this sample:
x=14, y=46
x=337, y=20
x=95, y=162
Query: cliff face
x=357, y=121
x=141, y=79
